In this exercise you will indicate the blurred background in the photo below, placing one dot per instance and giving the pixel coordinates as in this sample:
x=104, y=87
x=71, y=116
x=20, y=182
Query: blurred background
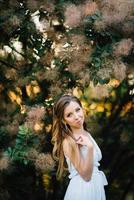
x=48, y=48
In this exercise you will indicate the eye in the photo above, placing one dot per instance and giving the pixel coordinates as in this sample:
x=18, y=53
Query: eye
x=69, y=115
x=78, y=109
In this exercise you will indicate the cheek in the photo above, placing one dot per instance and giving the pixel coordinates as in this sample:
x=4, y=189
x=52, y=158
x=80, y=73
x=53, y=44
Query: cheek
x=82, y=113
x=82, y=116
x=69, y=121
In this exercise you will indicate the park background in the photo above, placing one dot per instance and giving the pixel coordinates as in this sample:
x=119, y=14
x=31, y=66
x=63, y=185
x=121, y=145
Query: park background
x=78, y=47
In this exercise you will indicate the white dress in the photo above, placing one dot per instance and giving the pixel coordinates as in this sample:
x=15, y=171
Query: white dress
x=78, y=188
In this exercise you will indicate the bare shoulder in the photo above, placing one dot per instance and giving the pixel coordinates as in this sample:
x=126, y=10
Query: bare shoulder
x=65, y=143
x=66, y=147
x=69, y=145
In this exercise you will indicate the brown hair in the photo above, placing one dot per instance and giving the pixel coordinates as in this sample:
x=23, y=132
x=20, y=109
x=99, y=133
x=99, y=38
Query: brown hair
x=60, y=131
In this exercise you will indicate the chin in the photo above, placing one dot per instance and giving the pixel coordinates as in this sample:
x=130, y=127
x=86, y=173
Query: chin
x=79, y=126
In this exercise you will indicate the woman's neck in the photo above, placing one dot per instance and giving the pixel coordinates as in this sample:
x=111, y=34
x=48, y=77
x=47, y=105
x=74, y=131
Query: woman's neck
x=78, y=132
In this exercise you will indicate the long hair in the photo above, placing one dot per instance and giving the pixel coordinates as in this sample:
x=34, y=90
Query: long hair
x=60, y=131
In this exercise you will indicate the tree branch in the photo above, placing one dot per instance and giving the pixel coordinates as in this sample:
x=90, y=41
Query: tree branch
x=16, y=51
x=8, y=64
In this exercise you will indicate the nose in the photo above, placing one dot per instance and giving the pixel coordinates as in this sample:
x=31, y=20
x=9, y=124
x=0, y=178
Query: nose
x=76, y=116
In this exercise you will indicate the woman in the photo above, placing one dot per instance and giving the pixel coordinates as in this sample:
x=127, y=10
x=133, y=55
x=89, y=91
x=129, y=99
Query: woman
x=74, y=144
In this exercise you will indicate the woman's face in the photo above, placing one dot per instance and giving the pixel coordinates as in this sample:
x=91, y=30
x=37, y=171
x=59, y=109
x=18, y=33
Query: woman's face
x=73, y=115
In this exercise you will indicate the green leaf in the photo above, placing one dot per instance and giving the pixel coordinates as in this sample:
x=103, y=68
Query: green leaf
x=8, y=152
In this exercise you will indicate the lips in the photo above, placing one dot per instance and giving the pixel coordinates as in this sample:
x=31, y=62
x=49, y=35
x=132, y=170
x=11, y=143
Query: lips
x=78, y=122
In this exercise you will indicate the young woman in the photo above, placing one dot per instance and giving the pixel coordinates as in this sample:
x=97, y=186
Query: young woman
x=74, y=144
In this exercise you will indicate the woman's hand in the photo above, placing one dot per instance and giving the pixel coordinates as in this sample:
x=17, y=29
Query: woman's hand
x=84, y=140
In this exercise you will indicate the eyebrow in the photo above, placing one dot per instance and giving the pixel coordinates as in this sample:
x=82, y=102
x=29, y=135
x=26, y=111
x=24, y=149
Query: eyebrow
x=66, y=114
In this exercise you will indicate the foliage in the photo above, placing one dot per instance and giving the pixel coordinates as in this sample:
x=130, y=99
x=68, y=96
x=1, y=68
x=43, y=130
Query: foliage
x=23, y=142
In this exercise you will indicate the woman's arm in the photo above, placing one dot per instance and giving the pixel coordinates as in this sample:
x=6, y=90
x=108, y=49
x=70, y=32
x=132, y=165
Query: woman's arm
x=84, y=165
